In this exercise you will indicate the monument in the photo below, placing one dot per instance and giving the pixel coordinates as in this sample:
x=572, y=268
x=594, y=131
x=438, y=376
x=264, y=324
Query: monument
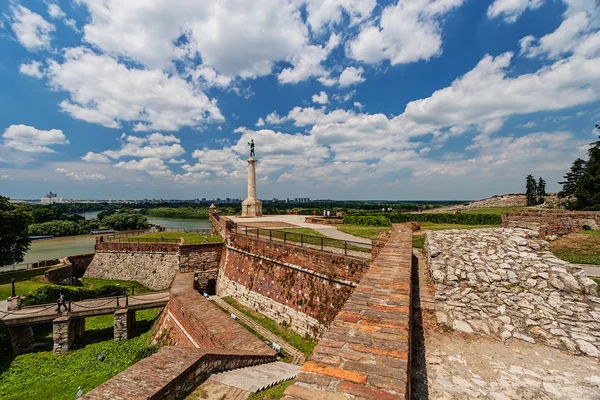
x=251, y=207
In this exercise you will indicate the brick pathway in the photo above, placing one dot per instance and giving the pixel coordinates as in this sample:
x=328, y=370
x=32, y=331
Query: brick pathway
x=297, y=356
x=366, y=352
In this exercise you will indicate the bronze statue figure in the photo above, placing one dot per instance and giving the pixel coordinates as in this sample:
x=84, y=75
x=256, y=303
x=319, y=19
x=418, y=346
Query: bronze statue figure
x=251, y=144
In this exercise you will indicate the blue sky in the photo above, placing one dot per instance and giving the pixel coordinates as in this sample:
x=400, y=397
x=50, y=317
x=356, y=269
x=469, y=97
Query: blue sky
x=345, y=99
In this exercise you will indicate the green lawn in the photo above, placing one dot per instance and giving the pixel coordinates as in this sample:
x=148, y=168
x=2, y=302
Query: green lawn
x=304, y=345
x=578, y=248
x=189, y=238
x=43, y=375
x=492, y=210
x=369, y=232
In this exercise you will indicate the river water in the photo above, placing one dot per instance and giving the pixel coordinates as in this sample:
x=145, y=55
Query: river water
x=47, y=249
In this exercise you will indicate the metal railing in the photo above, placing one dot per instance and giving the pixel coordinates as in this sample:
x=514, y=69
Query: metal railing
x=30, y=265
x=188, y=230
x=127, y=234
x=145, y=240
x=322, y=243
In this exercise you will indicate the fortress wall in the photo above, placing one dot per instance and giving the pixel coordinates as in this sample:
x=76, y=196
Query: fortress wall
x=552, y=222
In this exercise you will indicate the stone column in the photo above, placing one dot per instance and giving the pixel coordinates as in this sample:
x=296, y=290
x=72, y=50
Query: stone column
x=63, y=334
x=124, y=324
x=21, y=338
x=251, y=207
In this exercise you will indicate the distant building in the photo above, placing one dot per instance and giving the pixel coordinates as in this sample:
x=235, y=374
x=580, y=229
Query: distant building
x=51, y=198
x=302, y=200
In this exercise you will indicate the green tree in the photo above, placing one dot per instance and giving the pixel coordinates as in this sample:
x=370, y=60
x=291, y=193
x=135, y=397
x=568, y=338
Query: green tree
x=571, y=178
x=588, y=185
x=531, y=190
x=541, y=190
x=14, y=237
x=121, y=221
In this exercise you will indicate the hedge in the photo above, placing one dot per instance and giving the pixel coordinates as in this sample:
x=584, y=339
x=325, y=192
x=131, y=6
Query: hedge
x=388, y=219
x=50, y=294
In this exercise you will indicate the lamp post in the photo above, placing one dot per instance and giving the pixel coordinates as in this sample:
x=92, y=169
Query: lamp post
x=12, y=282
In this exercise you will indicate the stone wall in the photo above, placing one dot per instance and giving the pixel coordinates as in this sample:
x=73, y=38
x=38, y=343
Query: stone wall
x=203, y=279
x=69, y=268
x=200, y=257
x=505, y=283
x=299, y=287
x=323, y=221
x=153, y=270
x=128, y=247
x=552, y=222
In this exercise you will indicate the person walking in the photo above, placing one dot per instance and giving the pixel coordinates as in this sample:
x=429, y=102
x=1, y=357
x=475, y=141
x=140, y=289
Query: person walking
x=61, y=302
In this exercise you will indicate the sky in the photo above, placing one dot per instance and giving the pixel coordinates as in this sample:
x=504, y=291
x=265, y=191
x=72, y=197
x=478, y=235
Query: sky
x=344, y=99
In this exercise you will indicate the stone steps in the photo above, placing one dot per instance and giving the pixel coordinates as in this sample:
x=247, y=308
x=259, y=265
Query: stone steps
x=257, y=378
x=296, y=355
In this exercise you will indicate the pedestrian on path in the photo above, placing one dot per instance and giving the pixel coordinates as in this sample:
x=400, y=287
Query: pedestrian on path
x=61, y=302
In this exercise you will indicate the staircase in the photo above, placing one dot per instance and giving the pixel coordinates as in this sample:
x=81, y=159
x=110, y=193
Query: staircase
x=258, y=377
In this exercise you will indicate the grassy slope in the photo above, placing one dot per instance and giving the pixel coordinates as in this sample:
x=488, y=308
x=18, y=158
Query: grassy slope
x=304, y=345
x=578, y=248
x=492, y=210
x=369, y=232
x=190, y=238
x=272, y=393
x=43, y=375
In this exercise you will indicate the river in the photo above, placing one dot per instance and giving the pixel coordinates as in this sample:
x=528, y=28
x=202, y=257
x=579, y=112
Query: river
x=47, y=249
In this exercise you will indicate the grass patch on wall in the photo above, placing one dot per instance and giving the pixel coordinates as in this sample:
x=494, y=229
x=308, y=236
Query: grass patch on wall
x=189, y=237
x=272, y=393
x=43, y=375
x=430, y=226
x=578, y=248
x=418, y=241
x=303, y=344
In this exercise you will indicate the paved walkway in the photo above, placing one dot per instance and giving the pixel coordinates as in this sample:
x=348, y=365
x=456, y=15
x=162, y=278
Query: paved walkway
x=297, y=356
x=592, y=271
x=258, y=377
x=3, y=306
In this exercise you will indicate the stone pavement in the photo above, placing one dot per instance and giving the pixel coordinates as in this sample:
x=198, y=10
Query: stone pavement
x=591, y=270
x=365, y=352
x=296, y=355
x=258, y=377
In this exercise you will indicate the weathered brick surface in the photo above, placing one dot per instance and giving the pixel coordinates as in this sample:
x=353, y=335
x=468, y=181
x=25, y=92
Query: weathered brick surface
x=300, y=287
x=126, y=247
x=171, y=373
x=204, y=277
x=196, y=322
x=550, y=222
x=200, y=257
x=366, y=352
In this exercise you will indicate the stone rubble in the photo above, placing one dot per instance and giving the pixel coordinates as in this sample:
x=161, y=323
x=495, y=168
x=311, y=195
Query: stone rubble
x=505, y=283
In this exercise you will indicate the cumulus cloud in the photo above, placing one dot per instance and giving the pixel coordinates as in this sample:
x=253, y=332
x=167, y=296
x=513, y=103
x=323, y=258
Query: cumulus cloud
x=92, y=157
x=350, y=76
x=153, y=146
x=325, y=13
x=307, y=63
x=320, y=98
x=105, y=92
x=151, y=165
x=34, y=69
x=81, y=175
x=56, y=12
x=406, y=32
x=511, y=10
x=31, y=29
x=31, y=140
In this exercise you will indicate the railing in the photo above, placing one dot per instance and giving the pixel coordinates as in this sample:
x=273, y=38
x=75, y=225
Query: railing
x=145, y=240
x=321, y=243
x=188, y=230
x=127, y=234
x=31, y=265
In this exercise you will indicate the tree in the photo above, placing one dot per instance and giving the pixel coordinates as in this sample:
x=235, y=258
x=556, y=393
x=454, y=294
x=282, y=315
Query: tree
x=541, y=190
x=531, y=190
x=588, y=185
x=571, y=178
x=14, y=237
x=121, y=221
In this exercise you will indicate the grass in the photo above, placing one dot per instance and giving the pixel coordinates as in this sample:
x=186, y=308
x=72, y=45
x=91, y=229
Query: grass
x=275, y=392
x=304, y=345
x=297, y=235
x=578, y=248
x=94, y=283
x=418, y=241
x=369, y=232
x=597, y=280
x=189, y=237
x=492, y=210
x=43, y=375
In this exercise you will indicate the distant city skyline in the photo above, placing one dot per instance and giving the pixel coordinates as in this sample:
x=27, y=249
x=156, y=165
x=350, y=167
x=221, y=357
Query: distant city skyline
x=357, y=99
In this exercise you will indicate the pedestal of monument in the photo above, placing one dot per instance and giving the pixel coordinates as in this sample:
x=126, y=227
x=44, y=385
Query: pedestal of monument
x=251, y=207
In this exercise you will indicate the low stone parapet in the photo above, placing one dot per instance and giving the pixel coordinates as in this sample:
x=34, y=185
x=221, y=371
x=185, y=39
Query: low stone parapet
x=323, y=221
x=505, y=283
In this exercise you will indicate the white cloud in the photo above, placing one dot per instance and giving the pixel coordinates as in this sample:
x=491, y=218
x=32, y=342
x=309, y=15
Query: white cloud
x=4, y=177
x=82, y=175
x=511, y=10
x=358, y=105
x=92, y=157
x=105, y=92
x=274, y=118
x=350, y=76
x=326, y=81
x=31, y=140
x=32, y=31
x=55, y=12
x=320, y=98
x=406, y=32
x=34, y=69
x=307, y=63
x=151, y=165
x=324, y=13
x=260, y=122
x=210, y=77
x=344, y=97
x=176, y=161
x=153, y=146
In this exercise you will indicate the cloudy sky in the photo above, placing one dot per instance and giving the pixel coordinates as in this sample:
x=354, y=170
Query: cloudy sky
x=345, y=99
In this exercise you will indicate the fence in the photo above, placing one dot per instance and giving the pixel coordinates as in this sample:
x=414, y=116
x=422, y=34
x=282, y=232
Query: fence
x=31, y=265
x=322, y=243
x=127, y=234
x=188, y=230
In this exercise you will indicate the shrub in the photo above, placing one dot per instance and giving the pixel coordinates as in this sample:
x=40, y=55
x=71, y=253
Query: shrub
x=388, y=219
x=367, y=220
x=50, y=294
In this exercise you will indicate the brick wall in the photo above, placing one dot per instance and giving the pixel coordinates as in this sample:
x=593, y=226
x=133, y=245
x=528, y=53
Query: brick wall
x=200, y=257
x=68, y=268
x=299, y=287
x=366, y=352
x=80, y=263
x=203, y=278
x=551, y=222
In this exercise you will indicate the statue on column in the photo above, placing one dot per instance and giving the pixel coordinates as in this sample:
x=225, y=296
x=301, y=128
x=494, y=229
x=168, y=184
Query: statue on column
x=251, y=144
